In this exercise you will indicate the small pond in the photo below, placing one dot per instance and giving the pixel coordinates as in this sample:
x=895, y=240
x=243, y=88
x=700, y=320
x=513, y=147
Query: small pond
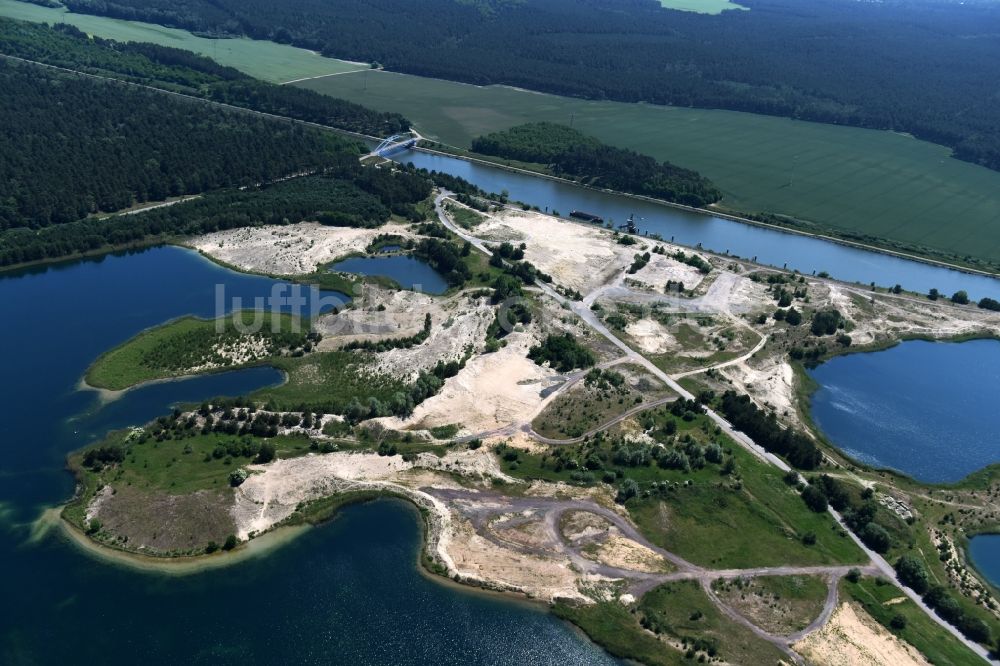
x=409, y=272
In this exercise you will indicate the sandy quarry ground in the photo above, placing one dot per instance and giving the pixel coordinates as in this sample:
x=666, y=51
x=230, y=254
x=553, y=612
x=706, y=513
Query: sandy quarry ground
x=618, y=551
x=576, y=256
x=662, y=269
x=377, y=314
x=273, y=491
x=769, y=378
x=770, y=383
x=458, y=326
x=293, y=249
x=651, y=336
x=853, y=638
x=896, y=317
x=492, y=391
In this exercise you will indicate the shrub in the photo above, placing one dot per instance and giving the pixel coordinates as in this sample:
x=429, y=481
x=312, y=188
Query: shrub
x=814, y=499
x=825, y=322
x=990, y=304
x=230, y=543
x=563, y=353
x=267, y=453
x=875, y=537
x=911, y=572
x=627, y=490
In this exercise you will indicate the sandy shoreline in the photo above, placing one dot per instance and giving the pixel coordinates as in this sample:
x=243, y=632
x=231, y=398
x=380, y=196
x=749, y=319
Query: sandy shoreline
x=52, y=519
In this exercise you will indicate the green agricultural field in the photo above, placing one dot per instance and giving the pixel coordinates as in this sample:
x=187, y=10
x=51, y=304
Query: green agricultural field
x=836, y=178
x=269, y=61
x=702, y=6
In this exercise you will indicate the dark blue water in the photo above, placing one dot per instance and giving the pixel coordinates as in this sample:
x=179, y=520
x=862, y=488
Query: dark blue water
x=985, y=553
x=772, y=247
x=147, y=402
x=346, y=593
x=926, y=409
x=409, y=272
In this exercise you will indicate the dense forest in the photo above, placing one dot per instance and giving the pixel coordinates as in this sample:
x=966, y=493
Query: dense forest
x=182, y=71
x=72, y=146
x=927, y=68
x=578, y=156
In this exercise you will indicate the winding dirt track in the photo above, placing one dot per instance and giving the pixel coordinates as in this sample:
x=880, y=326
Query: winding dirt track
x=482, y=508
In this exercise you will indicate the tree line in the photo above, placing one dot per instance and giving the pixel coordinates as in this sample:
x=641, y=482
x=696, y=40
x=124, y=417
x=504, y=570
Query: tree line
x=578, y=156
x=764, y=429
x=922, y=68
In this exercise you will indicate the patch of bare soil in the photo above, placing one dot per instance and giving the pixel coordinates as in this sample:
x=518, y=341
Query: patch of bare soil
x=539, y=576
x=158, y=523
x=650, y=336
x=578, y=526
x=293, y=249
x=576, y=256
x=775, y=614
x=662, y=269
x=879, y=318
x=621, y=552
x=492, y=391
x=458, y=328
x=274, y=491
x=522, y=530
x=769, y=382
x=853, y=638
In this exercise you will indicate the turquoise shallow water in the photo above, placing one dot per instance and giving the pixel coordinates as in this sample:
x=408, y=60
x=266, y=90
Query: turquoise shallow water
x=926, y=409
x=345, y=593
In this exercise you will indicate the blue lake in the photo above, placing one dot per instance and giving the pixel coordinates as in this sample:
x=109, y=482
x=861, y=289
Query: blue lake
x=346, y=593
x=926, y=409
x=409, y=272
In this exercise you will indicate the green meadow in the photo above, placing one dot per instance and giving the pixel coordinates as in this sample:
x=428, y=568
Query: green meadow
x=831, y=178
x=269, y=61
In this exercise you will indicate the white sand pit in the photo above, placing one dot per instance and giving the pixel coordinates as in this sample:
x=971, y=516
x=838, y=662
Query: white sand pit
x=662, y=269
x=771, y=383
x=293, y=249
x=576, y=256
x=462, y=327
x=853, y=638
x=492, y=391
x=651, y=336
